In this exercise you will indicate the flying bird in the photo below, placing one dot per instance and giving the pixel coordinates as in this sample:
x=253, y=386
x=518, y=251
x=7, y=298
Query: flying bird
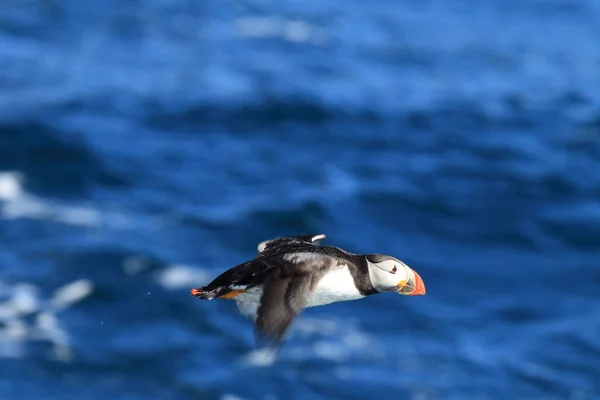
x=295, y=272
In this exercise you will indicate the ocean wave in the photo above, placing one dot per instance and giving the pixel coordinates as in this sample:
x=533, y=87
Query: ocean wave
x=386, y=64
x=240, y=115
x=16, y=203
x=56, y=161
x=143, y=145
x=327, y=339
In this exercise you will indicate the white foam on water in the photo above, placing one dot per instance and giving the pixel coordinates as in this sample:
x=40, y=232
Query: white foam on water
x=19, y=204
x=263, y=357
x=16, y=203
x=296, y=31
x=47, y=327
x=310, y=326
x=135, y=265
x=25, y=316
x=15, y=329
x=7, y=311
x=182, y=276
x=23, y=299
x=13, y=335
x=344, y=341
x=71, y=293
x=334, y=340
x=10, y=186
x=340, y=348
x=35, y=208
x=228, y=396
x=329, y=351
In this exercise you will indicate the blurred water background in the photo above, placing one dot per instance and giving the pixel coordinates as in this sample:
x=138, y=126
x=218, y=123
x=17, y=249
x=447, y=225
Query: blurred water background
x=146, y=146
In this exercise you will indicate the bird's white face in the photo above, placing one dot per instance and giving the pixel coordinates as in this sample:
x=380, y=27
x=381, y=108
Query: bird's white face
x=390, y=274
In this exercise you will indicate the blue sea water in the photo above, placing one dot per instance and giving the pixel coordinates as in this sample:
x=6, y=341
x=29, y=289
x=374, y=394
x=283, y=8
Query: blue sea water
x=146, y=146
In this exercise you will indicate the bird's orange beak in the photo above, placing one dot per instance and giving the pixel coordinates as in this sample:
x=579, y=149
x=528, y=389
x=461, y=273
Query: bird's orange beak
x=413, y=287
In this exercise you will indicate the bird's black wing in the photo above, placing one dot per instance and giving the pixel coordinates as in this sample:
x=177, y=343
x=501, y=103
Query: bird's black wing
x=257, y=270
x=273, y=244
x=286, y=292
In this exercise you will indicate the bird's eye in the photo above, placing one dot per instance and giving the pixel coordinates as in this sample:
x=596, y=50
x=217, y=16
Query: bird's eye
x=393, y=271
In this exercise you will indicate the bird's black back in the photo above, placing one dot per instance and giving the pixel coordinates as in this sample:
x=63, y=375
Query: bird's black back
x=272, y=257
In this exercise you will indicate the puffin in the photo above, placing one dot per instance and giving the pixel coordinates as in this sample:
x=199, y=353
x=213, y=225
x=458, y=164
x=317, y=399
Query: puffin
x=291, y=273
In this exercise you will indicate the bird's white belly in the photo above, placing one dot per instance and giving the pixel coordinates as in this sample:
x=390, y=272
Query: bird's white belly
x=337, y=285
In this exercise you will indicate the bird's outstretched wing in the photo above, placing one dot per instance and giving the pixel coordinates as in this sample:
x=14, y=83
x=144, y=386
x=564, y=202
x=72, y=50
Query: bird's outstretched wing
x=270, y=244
x=281, y=302
x=285, y=294
x=250, y=273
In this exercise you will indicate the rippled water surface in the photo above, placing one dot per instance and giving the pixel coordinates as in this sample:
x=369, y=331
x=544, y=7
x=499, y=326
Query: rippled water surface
x=147, y=146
